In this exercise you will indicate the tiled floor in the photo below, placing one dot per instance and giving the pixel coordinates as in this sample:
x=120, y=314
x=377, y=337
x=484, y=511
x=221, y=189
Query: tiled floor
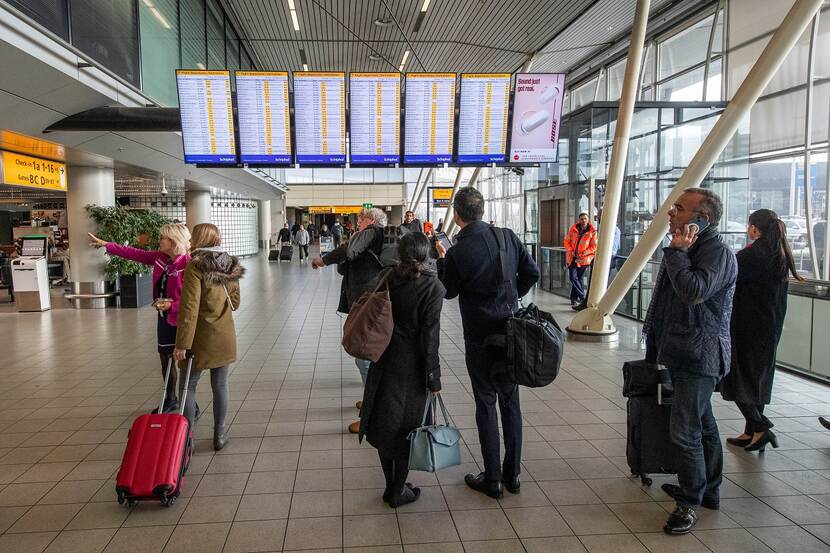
x=71, y=382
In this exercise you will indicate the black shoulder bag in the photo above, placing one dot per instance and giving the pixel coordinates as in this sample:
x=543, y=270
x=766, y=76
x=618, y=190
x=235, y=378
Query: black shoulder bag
x=532, y=341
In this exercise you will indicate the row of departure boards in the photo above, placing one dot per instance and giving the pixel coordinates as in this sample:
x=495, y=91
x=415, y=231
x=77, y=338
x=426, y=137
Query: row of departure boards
x=265, y=136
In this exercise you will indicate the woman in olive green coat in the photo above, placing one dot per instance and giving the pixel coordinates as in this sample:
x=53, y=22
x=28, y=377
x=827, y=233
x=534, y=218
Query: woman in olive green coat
x=210, y=294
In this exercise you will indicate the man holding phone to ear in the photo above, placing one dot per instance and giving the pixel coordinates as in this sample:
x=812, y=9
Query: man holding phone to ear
x=687, y=330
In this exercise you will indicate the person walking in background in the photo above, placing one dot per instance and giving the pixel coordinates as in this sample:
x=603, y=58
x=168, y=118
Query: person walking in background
x=210, y=294
x=471, y=270
x=294, y=228
x=411, y=223
x=312, y=231
x=285, y=235
x=302, y=239
x=357, y=261
x=757, y=322
x=687, y=330
x=168, y=263
x=337, y=233
x=396, y=387
x=580, y=249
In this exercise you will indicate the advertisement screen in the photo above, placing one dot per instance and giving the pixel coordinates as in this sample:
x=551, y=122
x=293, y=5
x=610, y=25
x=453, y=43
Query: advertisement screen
x=264, y=121
x=537, y=109
x=207, y=116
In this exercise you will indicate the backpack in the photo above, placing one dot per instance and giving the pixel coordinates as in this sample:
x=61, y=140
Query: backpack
x=532, y=343
x=388, y=255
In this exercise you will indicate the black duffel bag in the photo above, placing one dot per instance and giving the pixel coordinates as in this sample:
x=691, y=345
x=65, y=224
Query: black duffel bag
x=529, y=352
x=531, y=348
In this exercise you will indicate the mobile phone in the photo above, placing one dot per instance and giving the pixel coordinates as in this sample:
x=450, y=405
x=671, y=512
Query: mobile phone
x=698, y=223
x=445, y=241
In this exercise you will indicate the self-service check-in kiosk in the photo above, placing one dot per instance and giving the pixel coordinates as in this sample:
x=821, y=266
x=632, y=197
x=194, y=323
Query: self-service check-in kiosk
x=30, y=276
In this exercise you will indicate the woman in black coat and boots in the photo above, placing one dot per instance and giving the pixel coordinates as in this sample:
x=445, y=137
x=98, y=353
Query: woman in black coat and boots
x=397, y=385
x=757, y=321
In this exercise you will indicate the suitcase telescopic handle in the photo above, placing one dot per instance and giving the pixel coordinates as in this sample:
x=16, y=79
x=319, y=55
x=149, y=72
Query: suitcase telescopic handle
x=170, y=362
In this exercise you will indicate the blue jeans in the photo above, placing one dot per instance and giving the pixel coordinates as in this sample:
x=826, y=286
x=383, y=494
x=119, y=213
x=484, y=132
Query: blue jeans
x=363, y=367
x=694, y=431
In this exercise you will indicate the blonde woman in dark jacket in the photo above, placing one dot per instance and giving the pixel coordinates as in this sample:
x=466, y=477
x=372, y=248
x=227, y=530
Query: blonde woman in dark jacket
x=210, y=294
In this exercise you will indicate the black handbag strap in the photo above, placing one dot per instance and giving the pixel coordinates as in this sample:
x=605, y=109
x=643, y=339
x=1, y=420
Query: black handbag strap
x=506, y=281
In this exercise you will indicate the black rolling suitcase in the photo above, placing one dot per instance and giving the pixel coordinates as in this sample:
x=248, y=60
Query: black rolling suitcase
x=649, y=449
x=286, y=252
x=274, y=255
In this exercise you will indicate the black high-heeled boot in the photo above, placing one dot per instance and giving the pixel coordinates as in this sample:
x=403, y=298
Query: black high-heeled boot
x=761, y=445
x=220, y=439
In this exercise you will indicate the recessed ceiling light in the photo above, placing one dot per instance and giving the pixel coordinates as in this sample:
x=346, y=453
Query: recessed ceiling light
x=385, y=22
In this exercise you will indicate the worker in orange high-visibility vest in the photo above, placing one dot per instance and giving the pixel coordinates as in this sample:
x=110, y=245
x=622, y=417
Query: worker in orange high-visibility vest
x=580, y=249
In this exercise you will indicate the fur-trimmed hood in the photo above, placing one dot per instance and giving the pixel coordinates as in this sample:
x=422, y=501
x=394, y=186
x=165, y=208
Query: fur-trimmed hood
x=216, y=265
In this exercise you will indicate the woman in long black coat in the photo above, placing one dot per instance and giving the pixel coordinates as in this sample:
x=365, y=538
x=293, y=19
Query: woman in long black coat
x=758, y=312
x=397, y=385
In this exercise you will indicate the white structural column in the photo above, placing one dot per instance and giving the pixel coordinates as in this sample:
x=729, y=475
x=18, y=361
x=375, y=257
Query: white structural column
x=417, y=191
x=777, y=48
x=87, y=186
x=449, y=223
x=197, y=207
x=420, y=192
x=264, y=224
x=277, y=214
x=619, y=155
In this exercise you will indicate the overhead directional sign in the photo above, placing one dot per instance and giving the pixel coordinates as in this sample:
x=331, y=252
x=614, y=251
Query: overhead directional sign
x=33, y=172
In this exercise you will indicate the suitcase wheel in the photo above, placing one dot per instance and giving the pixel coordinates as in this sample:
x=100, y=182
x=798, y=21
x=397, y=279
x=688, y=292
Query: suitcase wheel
x=121, y=498
x=131, y=503
x=168, y=501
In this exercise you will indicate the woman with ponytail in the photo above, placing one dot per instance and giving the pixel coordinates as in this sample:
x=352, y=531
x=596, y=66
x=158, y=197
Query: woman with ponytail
x=760, y=303
x=397, y=385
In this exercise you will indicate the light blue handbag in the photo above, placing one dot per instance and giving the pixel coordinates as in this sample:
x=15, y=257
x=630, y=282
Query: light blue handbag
x=434, y=447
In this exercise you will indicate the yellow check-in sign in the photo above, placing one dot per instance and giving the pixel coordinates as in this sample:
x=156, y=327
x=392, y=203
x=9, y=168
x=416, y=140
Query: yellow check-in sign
x=33, y=172
x=442, y=193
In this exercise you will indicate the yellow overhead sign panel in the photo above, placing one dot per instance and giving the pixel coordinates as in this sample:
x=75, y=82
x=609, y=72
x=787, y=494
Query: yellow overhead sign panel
x=348, y=209
x=33, y=172
x=320, y=209
x=442, y=193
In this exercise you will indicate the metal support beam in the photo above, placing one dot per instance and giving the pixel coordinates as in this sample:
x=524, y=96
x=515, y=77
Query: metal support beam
x=616, y=169
x=449, y=223
x=416, y=192
x=709, y=49
x=808, y=144
x=826, y=272
x=771, y=58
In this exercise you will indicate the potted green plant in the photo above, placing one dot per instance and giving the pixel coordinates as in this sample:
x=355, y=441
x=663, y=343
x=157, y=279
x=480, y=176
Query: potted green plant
x=133, y=227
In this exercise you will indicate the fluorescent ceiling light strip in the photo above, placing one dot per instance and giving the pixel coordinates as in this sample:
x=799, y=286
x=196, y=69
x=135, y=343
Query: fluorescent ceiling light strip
x=424, y=8
x=305, y=67
x=291, y=5
x=405, y=57
x=294, y=20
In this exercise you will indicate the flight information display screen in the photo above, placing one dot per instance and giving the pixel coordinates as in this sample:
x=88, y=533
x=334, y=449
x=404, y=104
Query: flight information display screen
x=207, y=117
x=264, y=120
x=375, y=123
x=537, y=109
x=482, y=124
x=429, y=119
x=320, y=117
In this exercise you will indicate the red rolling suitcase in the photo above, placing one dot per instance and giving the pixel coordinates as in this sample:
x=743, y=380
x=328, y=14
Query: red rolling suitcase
x=157, y=454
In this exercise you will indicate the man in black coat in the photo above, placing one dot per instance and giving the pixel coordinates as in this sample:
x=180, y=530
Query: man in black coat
x=687, y=330
x=471, y=270
x=411, y=223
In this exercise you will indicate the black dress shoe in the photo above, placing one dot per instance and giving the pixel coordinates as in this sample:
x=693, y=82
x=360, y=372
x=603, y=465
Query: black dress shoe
x=824, y=422
x=480, y=484
x=681, y=521
x=676, y=493
x=740, y=442
x=513, y=485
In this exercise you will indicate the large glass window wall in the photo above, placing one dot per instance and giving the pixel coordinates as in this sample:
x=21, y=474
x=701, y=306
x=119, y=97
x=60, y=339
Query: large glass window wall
x=145, y=41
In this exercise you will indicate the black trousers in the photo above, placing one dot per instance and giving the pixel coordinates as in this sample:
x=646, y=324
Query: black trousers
x=303, y=251
x=487, y=392
x=755, y=419
x=395, y=471
x=170, y=397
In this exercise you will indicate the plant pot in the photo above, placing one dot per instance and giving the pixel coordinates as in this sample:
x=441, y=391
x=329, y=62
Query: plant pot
x=136, y=290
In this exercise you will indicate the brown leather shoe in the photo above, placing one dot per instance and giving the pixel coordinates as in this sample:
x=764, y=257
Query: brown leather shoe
x=359, y=404
x=354, y=428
